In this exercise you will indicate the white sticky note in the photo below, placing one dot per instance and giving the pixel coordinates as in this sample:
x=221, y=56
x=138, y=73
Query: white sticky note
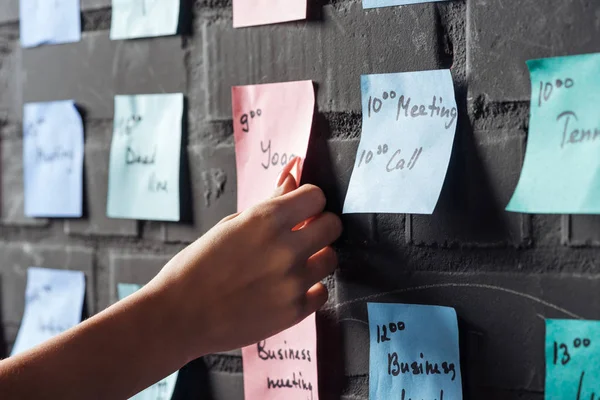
x=49, y=22
x=53, y=304
x=409, y=122
x=144, y=18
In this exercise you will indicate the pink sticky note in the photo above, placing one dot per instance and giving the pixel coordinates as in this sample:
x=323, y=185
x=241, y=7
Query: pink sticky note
x=262, y=12
x=272, y=124
x=283, y=367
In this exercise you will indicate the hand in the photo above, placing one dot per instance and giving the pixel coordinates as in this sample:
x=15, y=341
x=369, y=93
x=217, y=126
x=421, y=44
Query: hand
x=253, y=275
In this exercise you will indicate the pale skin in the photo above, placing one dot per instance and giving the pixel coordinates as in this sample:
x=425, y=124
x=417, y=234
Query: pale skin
x=250, y=277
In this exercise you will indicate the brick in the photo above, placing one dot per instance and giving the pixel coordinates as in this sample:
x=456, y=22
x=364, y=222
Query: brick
x=483, y=173
x=10, y=75
x=16, y=257
x=95, y=69
x=213, y=191
x=583, y=230
x=226, y=386
x=10, y=11
x=501, y=317
x=95, y=221
x=95, y=4
x=12, y=199
x=334, y=52
x=502, y=35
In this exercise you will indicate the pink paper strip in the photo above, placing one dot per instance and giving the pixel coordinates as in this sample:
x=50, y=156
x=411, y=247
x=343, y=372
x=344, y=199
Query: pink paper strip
x=263, y=12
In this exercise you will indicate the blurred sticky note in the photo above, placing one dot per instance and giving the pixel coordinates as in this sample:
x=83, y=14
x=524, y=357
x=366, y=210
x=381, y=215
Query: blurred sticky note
x=389, y=3
x=163, y=389
x=52, y=159
x=414, y=352
x=283, y=366
x=144, y=18
x=145, y=157
x=263, y=12
x=53, y=304
x=49, y=22
x=409, y=122
x=561, y=170
x=272, y=124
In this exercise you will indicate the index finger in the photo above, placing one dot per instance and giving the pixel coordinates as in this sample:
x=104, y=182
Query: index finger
x=301, y=204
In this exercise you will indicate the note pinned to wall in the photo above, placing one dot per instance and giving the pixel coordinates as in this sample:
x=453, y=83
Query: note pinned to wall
x=49, y=22
x=133, y=19
x=53, y=159
x=409, y=122
x=145, y=157
x=283, y=366
x=272, y=125
x=390, y=3
x=53, y=304
x=163, y=389
x=414, y=352
x=561, y=170
x=263, y=12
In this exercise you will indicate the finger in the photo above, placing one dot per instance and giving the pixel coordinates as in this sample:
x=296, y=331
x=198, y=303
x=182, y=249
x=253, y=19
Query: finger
x=320, y=265
x=286, y=186
x=228, y=218
x=315, y=298
x=300, y=205
x=318, y=233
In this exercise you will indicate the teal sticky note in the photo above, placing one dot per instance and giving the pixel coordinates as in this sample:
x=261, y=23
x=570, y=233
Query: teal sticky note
x=561, y=171
x=414, y=352
x=145, y=157
x=163, y=389
x=409, y=123
x=144, y=18
x=572, y=359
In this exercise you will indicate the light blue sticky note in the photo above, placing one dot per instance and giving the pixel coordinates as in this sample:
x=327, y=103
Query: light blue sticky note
x=53, y=304
x=145, y=157
x=572, y=359
x=389, y=3
x=413, y=352
x=52, y=159
x=49, y=22
x=144, y=18
x=561, y=171
x=162, y=390
x=409, y=121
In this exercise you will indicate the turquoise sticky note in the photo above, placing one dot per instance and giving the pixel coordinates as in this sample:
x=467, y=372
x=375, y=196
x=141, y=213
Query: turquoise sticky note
x=53, y=304
x=414, y=352
x=572, y=359
x=49, y=22
x=145, y=157
x=144, y=18
x=409, y=122
x=389, y=3
x=163, y=389
x=561, y=171
x=53, y=159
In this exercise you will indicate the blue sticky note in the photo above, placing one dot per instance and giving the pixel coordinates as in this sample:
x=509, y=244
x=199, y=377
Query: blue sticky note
x=53, y=159
x=389, y=3
x=409, y=122
x=144, y=18
x=561, y=171
x=413, y=352
x=145, y=157
x=163, y=389
x=49, y=22
x=53, y=304
x=572, y=359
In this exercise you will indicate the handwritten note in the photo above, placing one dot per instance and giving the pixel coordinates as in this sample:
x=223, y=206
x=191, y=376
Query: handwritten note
x=49, y=22
x=145, y=157
x=263, y=12
x=283, y=366
x=409, y=121
x=272, y=124
x=162, y=390
x=414, y=352
x=53, y=159
x=561, y=171
x=53, y=304
x=144, y=18
x=389, y=3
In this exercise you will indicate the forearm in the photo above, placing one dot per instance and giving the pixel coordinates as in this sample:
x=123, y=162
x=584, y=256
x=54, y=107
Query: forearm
x=115, y=354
